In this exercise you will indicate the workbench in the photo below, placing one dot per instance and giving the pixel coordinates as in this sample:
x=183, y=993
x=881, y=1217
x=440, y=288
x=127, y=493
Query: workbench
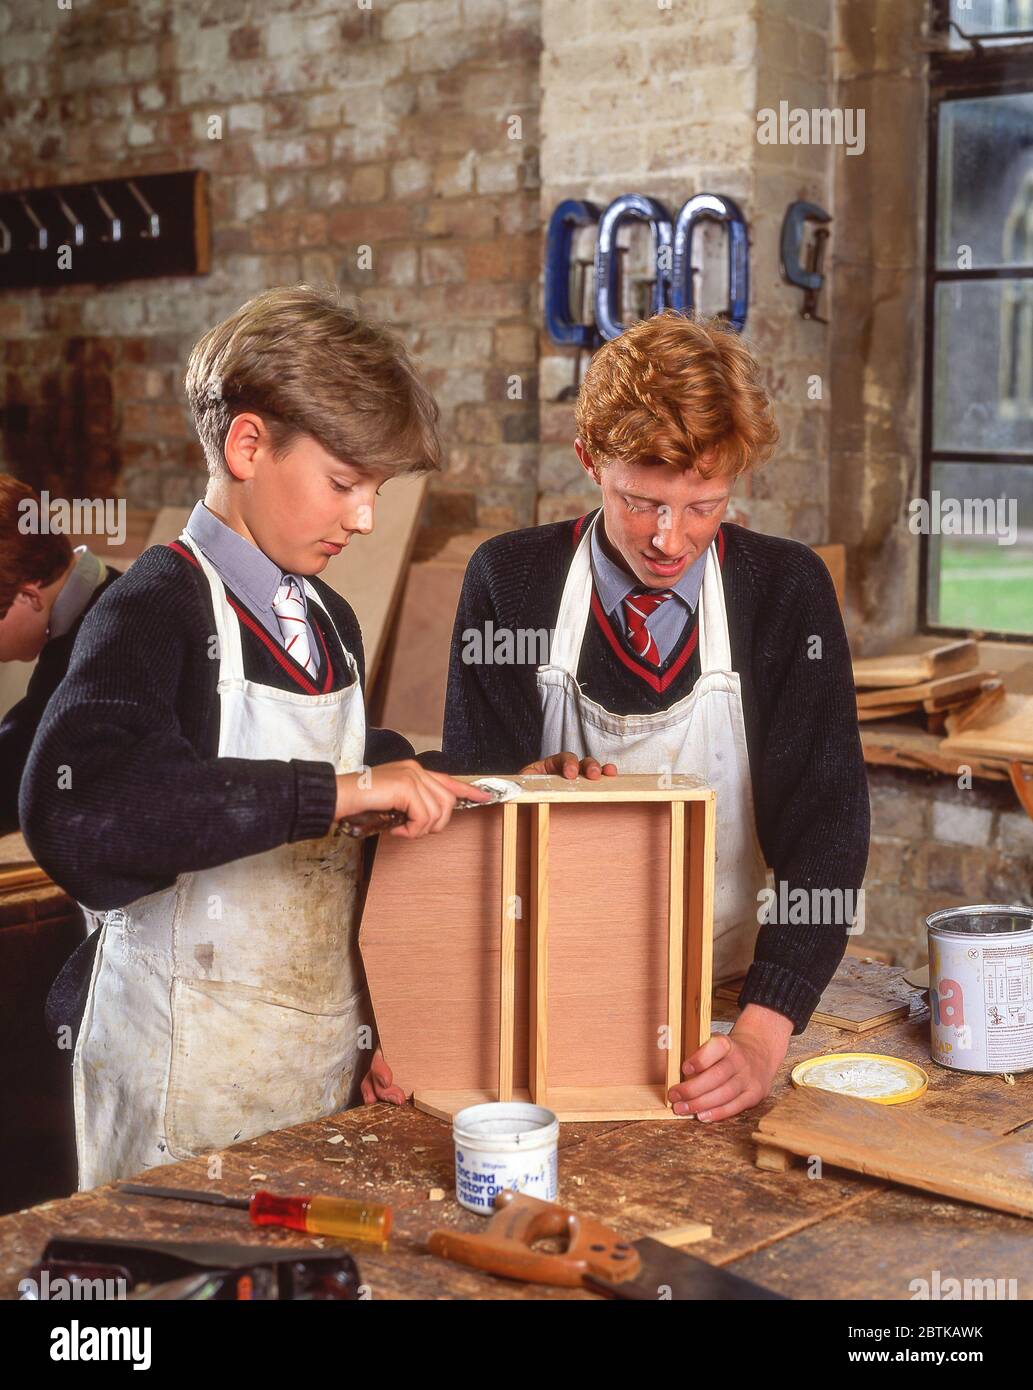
x=834, y=1237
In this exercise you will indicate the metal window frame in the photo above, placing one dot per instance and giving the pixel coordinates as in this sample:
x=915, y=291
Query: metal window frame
x=954, y=74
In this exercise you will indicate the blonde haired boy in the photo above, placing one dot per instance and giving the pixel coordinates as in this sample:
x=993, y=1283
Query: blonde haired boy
x=209, y=734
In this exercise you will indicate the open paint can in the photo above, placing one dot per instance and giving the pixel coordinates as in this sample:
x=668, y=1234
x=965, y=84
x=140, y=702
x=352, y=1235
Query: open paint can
x=504, y=1144
x=981, y=987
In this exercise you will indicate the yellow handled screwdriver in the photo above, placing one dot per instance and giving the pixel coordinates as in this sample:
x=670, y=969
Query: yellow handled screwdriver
x=368, y=1222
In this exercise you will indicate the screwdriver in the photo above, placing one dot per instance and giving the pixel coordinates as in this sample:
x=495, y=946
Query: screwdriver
x=325, y=1216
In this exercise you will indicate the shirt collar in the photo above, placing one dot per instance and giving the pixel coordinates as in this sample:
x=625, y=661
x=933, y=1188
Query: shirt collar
x=241, y=566
x=613, y=584
x=83, y=581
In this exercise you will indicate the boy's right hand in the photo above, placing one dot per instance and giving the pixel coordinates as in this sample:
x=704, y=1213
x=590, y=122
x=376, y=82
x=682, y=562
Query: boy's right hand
x=427, y=798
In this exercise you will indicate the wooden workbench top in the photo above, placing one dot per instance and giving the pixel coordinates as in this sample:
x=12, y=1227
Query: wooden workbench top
x=837, y=1236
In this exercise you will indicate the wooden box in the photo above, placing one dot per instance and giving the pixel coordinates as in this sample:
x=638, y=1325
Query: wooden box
x=555, y=948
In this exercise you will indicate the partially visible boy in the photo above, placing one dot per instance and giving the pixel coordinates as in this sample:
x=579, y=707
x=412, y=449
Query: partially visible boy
x=46, y=589
x=210, y=733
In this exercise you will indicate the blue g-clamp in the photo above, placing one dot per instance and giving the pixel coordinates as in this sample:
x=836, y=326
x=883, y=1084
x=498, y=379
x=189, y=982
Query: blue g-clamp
x=716, y=208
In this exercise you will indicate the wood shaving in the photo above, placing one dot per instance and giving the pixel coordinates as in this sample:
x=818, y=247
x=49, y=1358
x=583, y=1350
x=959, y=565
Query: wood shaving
x=370, y=1139
x=436, y=1194
x=259, y=1177
x=336, y=1139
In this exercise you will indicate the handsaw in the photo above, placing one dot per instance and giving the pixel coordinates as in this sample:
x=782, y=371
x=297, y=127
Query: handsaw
x=373, y=822
x=595, y=1257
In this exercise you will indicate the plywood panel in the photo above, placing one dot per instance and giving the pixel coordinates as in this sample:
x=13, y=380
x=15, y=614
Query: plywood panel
x=608, y=944
x=430, y=941
x=592, y=950
x=901, y=1143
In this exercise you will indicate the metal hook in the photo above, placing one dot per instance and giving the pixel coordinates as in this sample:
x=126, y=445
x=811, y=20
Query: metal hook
x=78, y=230
x=155, y=221
x=116, y=222
x=41, y=231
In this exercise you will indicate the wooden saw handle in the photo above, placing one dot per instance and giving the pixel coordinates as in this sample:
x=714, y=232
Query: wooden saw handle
x=505, y=1246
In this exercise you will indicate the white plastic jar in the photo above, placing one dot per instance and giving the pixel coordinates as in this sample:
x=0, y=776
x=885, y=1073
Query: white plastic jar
x=504, y=1144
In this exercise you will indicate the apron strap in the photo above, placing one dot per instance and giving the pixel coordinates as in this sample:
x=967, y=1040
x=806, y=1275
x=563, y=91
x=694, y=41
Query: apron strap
x=715, y=648
x=575, y=604
x=231, y=656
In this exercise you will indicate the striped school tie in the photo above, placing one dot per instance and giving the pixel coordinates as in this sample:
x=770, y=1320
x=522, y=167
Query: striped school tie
x=638, y=606
x=289, y=607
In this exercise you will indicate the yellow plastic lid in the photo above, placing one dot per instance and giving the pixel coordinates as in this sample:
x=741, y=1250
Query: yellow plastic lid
x=863, y=1075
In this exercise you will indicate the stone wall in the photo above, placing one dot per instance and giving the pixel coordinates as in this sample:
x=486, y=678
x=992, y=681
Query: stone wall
x=663, y=101
x=935, y=845
x=877, y=312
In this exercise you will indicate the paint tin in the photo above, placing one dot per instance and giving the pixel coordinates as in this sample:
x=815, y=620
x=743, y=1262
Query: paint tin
x=981, y=988
x=505, y=1144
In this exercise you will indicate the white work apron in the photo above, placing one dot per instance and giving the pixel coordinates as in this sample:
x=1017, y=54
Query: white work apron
x=703, y=733
x=231, y=1003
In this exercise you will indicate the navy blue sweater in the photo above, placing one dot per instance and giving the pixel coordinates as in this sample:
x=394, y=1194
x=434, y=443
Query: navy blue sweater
x=19, y=725
x=123, y=790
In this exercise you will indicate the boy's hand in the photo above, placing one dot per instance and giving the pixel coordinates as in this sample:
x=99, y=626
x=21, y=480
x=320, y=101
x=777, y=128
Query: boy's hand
x=568, y=765
x=427, y=798
x=378, y=1084
x=733, y=1072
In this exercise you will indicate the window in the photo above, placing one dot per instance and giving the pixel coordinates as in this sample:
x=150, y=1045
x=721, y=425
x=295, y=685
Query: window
x=977, y=474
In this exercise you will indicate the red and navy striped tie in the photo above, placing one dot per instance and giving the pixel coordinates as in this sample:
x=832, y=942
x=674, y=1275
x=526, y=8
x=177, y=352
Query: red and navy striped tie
x=638, y=606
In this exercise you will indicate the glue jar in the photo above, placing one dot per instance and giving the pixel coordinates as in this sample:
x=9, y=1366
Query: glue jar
x=504, y=1144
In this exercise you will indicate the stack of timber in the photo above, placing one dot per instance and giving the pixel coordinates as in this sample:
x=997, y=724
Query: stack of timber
x=938, y=681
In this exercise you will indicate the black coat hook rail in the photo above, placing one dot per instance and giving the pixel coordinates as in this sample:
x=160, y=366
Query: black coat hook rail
x=105, y=231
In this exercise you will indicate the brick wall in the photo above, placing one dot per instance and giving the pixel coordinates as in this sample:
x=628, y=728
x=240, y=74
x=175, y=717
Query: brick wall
x=338, y=127
x=937, y=845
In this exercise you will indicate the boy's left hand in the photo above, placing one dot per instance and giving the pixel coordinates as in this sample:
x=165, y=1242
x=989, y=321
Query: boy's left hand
x=379, y=1085
x=569, y=765
x=732, y=1072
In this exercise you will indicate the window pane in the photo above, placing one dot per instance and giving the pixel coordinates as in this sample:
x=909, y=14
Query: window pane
x=985, y=182
x=982, y=578
x=990, y=17
x=983, y=366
